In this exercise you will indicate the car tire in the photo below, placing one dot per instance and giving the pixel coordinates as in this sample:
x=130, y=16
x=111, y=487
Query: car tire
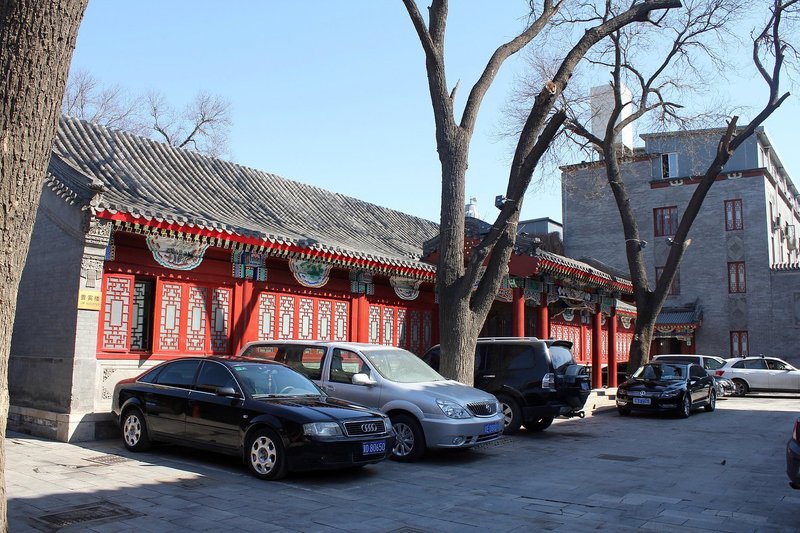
x=712, y=401
x=741, y=387
x=135, y=435
x=512, y=414
x=409, y=444
x=623, y=411
x=685, y=409
x=265, y=456
x=539, y=424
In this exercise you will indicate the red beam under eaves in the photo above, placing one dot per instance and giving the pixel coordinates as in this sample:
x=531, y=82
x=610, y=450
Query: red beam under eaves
x=282, y=248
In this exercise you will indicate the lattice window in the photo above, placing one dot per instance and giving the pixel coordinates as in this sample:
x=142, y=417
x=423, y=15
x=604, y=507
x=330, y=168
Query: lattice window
x=388, y=326
x=588, y=344
x=286, y=318
x=266, y=316
x=196, y=320
x=220, y=316
x=414, y=330
x=142, y=315
x=305, y=322
x=170, y=323
x=604, y=346
x=402, y=329
x=342, y=316
x=324, y=317
x=116, y=313
x=374, y=324
x=427, y=329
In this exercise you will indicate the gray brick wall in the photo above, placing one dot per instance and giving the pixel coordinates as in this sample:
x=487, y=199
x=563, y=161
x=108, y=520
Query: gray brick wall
x=592, y=228
x=43, y=341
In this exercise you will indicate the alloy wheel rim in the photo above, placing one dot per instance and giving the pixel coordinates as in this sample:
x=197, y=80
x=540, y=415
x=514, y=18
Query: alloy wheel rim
x=404, y=441
x=508, y=414
x=132, y=430
x=687, y=407
x=263, y=455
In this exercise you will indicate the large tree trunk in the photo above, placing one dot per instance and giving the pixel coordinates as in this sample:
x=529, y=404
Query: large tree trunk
x=36, y=44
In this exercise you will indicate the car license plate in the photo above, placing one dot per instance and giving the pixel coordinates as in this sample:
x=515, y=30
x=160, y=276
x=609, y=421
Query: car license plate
x=641, y=401
x=370, y=448
x=585, y=386
x=491, y=428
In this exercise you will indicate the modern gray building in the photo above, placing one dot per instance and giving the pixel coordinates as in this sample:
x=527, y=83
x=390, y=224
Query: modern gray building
x=738, y=287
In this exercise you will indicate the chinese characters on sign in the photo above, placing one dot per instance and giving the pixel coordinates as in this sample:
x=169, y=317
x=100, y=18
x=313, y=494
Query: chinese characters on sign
x=89, y=299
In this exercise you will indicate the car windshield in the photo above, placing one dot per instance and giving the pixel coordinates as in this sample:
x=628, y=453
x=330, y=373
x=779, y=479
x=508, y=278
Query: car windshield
x=401, y=366
x=272, y=380
x=661, y=372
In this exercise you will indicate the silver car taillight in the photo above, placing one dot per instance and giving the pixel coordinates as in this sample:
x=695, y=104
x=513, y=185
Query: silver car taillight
x=549, y=381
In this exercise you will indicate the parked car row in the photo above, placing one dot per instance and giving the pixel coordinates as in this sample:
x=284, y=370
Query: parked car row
x=295, y=405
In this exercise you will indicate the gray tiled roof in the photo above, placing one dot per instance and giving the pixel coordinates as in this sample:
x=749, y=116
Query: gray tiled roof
x=145, y=178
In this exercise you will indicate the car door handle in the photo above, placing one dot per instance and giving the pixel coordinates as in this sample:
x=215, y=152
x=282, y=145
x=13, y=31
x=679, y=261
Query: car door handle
x=328, y=387
x=489, y=375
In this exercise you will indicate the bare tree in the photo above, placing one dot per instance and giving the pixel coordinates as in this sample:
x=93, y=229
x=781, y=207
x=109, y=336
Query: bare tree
x=110, y=106
x=703, y=20
x=463, y=309
x=36, y=44
x=202, y=125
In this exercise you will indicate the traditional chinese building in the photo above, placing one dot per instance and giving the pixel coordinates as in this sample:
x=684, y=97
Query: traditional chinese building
x=142, y=252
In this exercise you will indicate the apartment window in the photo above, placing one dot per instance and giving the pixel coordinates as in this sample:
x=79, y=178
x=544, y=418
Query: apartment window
x=669, y=165
x=734, y=217
x=739, y=344
x=675, y=286
x=736, y=277
x=665, y=221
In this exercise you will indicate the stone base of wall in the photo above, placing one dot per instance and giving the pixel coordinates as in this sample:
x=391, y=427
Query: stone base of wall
x=74, y=427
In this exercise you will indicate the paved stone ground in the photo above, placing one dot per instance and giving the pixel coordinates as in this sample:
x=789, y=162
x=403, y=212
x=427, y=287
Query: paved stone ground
x=721, y=471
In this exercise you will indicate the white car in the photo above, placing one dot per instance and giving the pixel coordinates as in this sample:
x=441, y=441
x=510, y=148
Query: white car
x=761, y=374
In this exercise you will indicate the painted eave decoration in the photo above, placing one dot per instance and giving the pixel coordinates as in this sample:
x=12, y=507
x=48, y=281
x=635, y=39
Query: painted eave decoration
x=271, y=245
x=564, y=267
x=175, y=252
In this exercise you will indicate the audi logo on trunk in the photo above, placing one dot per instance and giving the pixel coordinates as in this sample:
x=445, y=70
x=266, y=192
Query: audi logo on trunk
x=369, y=428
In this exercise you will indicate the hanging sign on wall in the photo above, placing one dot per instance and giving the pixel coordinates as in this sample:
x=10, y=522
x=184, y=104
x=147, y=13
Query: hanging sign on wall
x=176, y=253
x=310, y=273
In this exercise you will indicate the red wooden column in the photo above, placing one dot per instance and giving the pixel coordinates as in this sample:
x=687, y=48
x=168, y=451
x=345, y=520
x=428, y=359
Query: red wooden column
x=361, y=319
x=597, y=339
x=518, y=313
x=612, y=348
x=542, y=318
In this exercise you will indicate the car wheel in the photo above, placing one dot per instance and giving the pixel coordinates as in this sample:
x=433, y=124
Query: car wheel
x=712, y=401
x=409, y=444
x=539, y=424
x=741, y=387
x=134, y=430
x=265, y=455
x=685, y=409
x=512, y=414
x=623, y=411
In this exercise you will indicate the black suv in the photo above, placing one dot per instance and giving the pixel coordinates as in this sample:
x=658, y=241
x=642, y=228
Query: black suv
x=535, y=380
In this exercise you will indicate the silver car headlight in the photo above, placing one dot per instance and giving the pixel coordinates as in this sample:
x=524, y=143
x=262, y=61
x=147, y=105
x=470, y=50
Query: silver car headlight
x=322, y=429
x=452, y=409
x=670, y=393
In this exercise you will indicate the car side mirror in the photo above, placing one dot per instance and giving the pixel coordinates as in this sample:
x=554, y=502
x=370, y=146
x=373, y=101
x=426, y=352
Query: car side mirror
x=362, y=379
x=229, y=392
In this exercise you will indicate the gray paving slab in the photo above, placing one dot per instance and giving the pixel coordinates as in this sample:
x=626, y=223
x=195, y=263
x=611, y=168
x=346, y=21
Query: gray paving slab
x=604, y=473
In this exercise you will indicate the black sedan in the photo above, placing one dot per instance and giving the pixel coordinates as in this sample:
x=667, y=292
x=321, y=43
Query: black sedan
x=276, y=419
x=670, y=387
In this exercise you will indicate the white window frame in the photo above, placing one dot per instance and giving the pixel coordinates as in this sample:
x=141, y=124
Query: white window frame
x=671, y=160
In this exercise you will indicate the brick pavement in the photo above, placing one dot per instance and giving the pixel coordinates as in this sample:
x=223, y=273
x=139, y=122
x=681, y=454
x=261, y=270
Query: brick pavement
x=721, y=471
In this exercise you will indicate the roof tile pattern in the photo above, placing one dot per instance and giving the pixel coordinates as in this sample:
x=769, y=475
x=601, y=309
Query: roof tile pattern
x=155, y=181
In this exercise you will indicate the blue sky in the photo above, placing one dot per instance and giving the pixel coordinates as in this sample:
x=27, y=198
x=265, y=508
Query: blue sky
x=335, y=94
